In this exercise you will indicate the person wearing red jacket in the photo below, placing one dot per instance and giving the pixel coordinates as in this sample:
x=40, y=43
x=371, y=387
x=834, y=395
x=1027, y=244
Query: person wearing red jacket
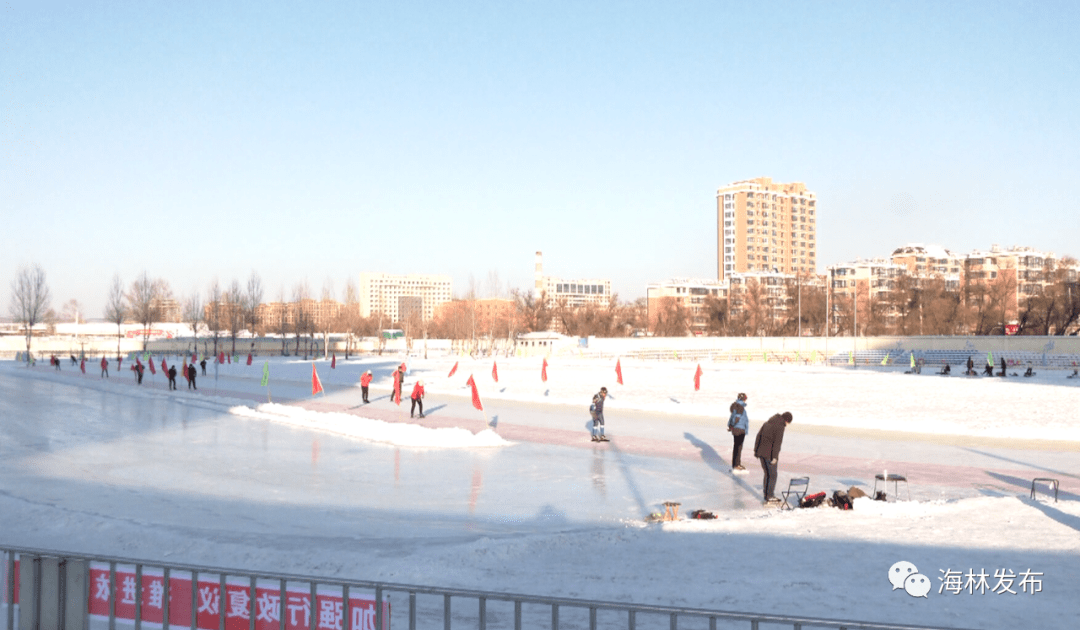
x=417, y=398
x=365, y=381
x=104, y=368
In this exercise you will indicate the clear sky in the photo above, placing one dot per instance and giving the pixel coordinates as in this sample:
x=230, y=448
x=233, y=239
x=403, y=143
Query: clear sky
x=313, y=141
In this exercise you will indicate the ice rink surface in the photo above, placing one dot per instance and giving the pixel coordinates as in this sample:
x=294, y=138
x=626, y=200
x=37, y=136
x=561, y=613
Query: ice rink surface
x=516, y=498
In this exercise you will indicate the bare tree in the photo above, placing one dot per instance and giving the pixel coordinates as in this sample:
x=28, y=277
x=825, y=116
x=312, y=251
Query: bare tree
x=215, y=315
x=235, y=315
x=29, y=299
x=116, y=308
x=670, y=319
x=71, y=311
x=281, y=321
x=252, y=300
x=193, y=314
x=534, y=311
x=301, y=319
x=145, y=298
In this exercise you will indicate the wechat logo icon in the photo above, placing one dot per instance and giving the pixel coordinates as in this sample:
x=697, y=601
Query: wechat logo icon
x=905, y=575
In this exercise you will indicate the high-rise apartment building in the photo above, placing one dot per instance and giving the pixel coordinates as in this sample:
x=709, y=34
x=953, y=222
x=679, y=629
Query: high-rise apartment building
x=397, y=296
x=766, y=226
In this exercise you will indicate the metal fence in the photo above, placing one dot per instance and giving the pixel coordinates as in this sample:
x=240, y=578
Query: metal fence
x=60, y=590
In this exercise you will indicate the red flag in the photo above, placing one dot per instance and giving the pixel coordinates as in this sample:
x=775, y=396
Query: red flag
x=495, y=371
x=475, y=394
x=150, y=363
x=333, y=362
x=452, y=370
x=164, y=367
x=82, y=365
x=249, y=358
x=697, y=378
x=397, y=387
x=618, y=371
x=184, y=372
x=543, y=372
x=229, y=359
x=221, y=357
x=316, y=385
x=194, y=358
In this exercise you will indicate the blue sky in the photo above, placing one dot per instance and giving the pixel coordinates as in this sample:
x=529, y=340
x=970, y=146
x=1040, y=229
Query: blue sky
x=312, y=142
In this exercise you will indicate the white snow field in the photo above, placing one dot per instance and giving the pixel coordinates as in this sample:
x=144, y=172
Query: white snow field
x=517, y=499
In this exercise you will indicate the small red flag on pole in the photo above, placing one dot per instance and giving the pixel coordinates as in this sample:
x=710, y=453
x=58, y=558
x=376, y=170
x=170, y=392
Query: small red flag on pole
x=543, y=371
x=618, y=371
x=333, y=362
x=697, y=378
x=229, y=359
x=452, y=370
x=475, y=394
x=249, y=358
x=495, y=371
x=150, y=363
x=316, y=384
x=194, y=359
x=184, y=373
x=82, y=365
x=221, y=357
x=164, y=366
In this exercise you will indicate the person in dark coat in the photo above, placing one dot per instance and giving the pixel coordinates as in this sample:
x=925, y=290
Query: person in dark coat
x=767, y=449
x=1003, y=367
x=202, y=364
x=989, y=370
x=597, y=410
x=172, y=377
x=738, y=424
x=139, y=372
x=191, y=373
x=970, y=367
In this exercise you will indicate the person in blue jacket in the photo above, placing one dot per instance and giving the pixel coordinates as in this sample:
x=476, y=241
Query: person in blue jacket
x=738, y=424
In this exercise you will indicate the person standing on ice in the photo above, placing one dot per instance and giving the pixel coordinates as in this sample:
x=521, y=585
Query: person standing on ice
x=767, y=449
x=191, y=373
x=365, y=381
x=597, y=409
x=104, y=368
x=172, y=377
x=738, y=424
x=970, y=367
x=202, y=364
x=417, y=398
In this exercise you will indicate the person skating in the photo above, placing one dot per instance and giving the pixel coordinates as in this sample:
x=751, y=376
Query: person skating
x=74, y=361
x=191, y=373
x=767, y=449
x=399, y=384
x=202, y=364
x=172, y=377
x=597, y=409
x=365, y=381
x=104, y=368
x=56, y=362
x=970, y=367
x=1003, y=367
x=417, y=398
x=989, y=370
x=738, y=424
x=139, y=372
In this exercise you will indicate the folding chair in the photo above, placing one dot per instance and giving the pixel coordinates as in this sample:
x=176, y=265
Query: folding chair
x=797, y=487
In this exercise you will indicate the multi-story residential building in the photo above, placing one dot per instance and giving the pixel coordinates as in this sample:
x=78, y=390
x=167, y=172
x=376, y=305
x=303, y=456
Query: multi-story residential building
x=168, y=309
x=486, y=316
x=691, y=294
x=572, y=293
x=395, y=296
x=316, y=313
x=931, y=261
x=1010, y=276
x=766, y=226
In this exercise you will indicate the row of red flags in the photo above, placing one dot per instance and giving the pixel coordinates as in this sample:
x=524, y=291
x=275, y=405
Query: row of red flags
x=544, y=376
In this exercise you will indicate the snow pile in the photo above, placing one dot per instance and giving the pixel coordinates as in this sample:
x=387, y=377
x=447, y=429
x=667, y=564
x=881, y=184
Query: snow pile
x=358, y=427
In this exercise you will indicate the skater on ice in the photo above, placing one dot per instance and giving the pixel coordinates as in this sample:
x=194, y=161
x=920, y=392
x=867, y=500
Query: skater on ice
x=104, y=368
x=191, y=373
x=417, y=398
x=738, y=424
x=365, y=381
x=172, y=377
x=597, y=410
x=767, y=449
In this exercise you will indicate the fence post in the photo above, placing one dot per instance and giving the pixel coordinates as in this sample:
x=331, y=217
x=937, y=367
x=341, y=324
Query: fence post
x=138, y=597
x=554, y=617
x=517, y=614
x=483, y=613
x=194, y=599
x=412, y=611
x=346, y=618
x=11, y=590
x=166, y=587
x=222, y=596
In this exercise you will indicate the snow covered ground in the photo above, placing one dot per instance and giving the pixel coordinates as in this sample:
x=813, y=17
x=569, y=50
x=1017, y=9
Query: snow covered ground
x=516, y=498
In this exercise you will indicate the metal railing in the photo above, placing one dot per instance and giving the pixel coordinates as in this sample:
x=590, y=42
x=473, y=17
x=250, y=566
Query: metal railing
x=34, y=616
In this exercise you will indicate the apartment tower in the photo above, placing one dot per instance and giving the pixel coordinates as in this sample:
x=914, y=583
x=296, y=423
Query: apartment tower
x=766, y=226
